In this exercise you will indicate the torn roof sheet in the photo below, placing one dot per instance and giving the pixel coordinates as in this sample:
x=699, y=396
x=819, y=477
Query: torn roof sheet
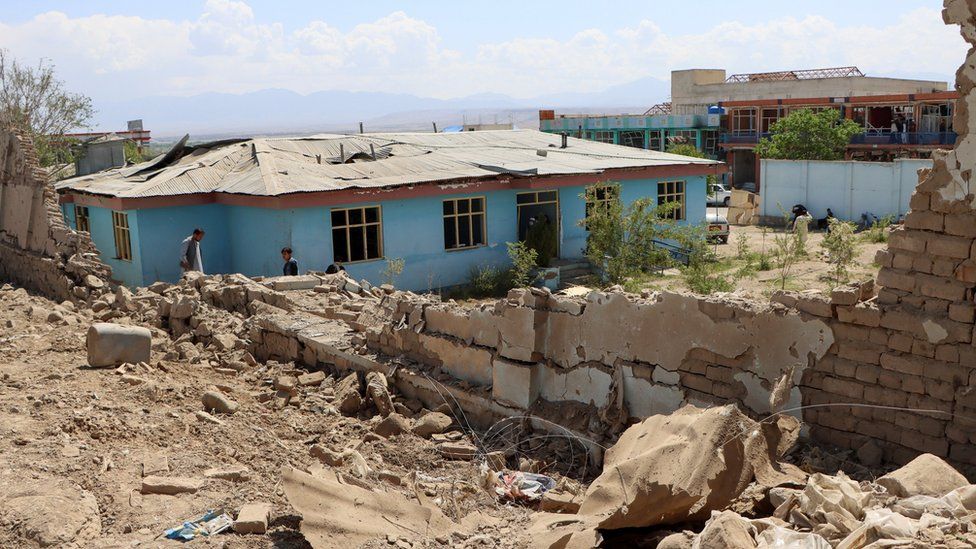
x=279, y=166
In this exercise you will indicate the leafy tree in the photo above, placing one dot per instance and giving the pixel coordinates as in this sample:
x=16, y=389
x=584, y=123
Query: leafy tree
x=132, y=153
x=621, y=240
x=34, y=100
x=687, y=149
x=808, y=135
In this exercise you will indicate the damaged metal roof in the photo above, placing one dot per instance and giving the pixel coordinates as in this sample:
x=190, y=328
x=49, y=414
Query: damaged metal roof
x=279, y=166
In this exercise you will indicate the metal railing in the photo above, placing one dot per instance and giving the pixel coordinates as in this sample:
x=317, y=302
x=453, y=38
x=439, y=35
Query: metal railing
x=873, y=137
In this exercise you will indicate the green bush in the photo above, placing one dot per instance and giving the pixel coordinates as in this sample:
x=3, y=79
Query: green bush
x=487, y=281
x=878, y=231
x=524, y=261
x=841, y=247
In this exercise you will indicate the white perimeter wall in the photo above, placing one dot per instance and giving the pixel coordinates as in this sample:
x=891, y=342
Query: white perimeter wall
x=849, y=188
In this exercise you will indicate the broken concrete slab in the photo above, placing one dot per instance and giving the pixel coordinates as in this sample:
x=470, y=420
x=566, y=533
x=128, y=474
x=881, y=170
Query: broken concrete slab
x=342, y=515
x=171, y=485
x=926, y=475
x=253, y=518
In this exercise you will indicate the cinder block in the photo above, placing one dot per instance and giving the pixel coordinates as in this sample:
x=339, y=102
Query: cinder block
x=513, y=383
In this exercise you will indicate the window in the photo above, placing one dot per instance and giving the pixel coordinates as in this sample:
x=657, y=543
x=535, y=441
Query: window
x=600, y=197
x=710, y=143
x=656, y=141
x=769, y=117
x=81, y=219
x=357, y=234
x=464, y=223
x=743, y=121
x=602, y=136
x=632, y=138
x=123, y=246
x=672, y=191
x=678, y=137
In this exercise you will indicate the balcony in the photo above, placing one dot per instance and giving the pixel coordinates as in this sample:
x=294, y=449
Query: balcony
x=887, y=137
x=873, y=137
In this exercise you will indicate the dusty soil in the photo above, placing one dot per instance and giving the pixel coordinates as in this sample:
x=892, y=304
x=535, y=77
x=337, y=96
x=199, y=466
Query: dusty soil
x=810, y=273
x=68, y=432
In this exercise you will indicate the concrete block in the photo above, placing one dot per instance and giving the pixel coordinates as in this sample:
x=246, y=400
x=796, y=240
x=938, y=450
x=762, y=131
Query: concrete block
x=513, y=383
x=253, y=518
x=113, y=344
x=170, y=485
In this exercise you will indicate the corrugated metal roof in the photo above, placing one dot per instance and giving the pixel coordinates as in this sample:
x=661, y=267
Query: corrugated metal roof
x=277, y=166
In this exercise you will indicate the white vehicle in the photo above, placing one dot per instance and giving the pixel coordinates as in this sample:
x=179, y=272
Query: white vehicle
x=719, y=195
x=718, y=227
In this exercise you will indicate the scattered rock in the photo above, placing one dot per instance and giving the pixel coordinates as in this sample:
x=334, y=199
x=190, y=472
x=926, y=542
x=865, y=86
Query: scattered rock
x=327, y=456
x=311, y=379
x=431, y=423
x=347, y=397
x=457, y=450
x=724, y=530
x=926, y=475
x=253, y=518
x=205, y=417
x=218, y=402
x=678, y=540
x=393, y=424
x=55, y=317
x=170, y=485
x=234, y=473
x=558, y=501
x=379, y=393
x=113, y=344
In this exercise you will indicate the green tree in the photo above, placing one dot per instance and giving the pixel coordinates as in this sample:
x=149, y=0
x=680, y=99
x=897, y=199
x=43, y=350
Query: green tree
x=808, y=135
x=34, y=100
x=621, y=240
x=687, y=149
x=132, y=153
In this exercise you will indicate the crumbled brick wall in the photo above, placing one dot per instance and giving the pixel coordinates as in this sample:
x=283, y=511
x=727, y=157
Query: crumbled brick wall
x=37, y=250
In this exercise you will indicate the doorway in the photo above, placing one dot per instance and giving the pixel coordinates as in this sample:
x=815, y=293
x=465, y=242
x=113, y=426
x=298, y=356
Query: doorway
x=535, y=207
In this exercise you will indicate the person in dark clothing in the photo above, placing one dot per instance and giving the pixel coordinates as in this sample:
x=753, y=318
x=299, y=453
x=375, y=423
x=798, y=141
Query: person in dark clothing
x=291, y=265
x=824, y=223
x=334, y=268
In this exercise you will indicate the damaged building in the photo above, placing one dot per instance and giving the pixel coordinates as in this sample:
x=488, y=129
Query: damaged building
x=444, y=203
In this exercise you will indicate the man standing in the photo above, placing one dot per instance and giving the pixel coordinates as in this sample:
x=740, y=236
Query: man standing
x=191, y=258
x=291, y=265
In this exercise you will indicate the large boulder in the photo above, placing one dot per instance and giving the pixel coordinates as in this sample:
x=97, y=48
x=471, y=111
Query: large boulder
x=431, y=423
x=48, y=513
x=926, y=475
x=671, y=469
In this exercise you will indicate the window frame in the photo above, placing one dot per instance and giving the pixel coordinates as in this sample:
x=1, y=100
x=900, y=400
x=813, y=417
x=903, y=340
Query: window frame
x=469, y=215
x=678, y=214
x=364, y=224
x=123, y=235
x=610, y=193
x=627, y=135
x=79, y=216
x=600, y=136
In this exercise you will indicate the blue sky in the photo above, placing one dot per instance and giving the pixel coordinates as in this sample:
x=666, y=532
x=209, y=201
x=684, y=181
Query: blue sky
x=451, y=49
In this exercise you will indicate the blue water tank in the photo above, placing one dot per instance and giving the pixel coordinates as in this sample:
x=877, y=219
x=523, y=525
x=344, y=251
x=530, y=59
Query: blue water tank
x=715, y=109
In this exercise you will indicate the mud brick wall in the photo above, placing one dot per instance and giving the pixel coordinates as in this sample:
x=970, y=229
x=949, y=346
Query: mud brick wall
x=37, y=249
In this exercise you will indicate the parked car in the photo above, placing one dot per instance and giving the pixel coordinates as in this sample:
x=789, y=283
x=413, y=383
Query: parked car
x=747, y=186
x=718, y=227
x=719, y=195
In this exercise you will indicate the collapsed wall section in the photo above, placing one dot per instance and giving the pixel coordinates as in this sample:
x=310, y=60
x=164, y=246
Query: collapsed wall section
x=38, y=251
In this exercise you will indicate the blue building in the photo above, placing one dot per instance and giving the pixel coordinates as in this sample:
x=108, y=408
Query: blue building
x=445, y=203
x=654, y=130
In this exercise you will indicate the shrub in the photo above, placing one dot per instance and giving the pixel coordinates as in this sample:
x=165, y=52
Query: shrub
x=742, y=250
x=788, y=248
x=621, y=242
x=524, y=261
x=393, y=269
x=878, y=231
x=487, y=281
x=841, y=247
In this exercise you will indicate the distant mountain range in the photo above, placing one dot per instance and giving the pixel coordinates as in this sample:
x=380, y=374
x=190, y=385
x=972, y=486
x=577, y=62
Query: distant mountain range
x=276, y=111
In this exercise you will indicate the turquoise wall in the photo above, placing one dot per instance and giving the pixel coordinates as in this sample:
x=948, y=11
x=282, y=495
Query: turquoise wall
x=248, y=240
x=103, y=235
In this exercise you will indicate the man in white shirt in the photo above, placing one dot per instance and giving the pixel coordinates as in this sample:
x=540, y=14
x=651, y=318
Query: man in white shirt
x=191, y=258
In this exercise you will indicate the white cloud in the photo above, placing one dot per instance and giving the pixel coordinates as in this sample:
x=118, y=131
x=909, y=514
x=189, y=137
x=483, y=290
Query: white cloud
x=228, y=49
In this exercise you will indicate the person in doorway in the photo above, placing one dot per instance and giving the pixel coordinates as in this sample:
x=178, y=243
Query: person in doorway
x=191, y=258
x=290, y=267
x=895, y=130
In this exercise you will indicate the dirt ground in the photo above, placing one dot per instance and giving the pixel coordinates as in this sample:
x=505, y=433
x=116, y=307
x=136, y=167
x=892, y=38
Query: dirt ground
x=809, y=273
x=74, y=443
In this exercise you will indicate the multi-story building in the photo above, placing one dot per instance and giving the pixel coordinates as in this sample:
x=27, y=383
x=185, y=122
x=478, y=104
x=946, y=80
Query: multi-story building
x=653, y=130
x=901, y=118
